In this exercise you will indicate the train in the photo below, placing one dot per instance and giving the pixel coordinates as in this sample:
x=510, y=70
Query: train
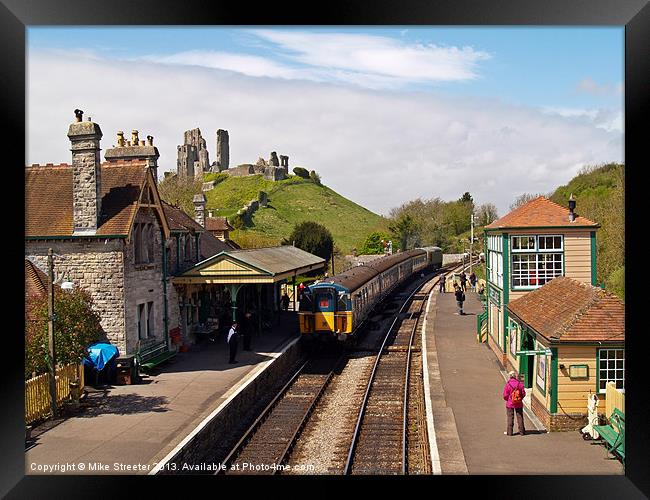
x=334, y=307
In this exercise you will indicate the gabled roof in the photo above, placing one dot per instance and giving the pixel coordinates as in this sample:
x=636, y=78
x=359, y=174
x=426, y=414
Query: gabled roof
x=180, y=221
x=566, y=310
x=540, y=212
x=35, y=280
x=255, y=265
x=49, y=202
x=217, y=224
x=211, y=245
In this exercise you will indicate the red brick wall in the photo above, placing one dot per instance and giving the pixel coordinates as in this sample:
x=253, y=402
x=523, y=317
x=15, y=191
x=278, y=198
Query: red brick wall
x=557, y=421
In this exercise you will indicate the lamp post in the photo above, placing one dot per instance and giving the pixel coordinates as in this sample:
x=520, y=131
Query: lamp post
x=50, y=329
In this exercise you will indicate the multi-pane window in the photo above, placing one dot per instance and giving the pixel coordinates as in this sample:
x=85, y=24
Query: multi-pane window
x=495, y=260
x=143, y=243
x=536, y=259
x=145, y=320
x=611, y=368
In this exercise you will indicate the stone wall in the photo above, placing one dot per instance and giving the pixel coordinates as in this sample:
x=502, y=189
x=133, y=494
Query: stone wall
x=241, y=170
x=94, y=265
x=142, y=284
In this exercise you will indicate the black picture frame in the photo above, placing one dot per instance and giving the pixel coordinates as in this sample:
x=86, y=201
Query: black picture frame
x=16, y=15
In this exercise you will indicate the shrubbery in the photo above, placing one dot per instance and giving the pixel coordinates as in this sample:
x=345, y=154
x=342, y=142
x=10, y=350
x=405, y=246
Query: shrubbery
x=77, y=326
x=301, y=172
x=313, y=238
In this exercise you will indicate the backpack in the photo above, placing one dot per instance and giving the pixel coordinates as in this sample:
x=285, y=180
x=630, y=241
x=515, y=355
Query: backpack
x=515, y=395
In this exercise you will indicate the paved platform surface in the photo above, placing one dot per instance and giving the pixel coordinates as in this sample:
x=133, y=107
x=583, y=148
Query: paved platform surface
x=469, y=413
x=140, y=424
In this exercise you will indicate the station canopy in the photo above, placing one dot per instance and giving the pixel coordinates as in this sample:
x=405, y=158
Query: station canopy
x=255, y=265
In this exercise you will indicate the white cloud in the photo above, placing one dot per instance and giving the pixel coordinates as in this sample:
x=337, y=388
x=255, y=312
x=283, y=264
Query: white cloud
x=379, y=149
x=364, y=60
x=607, y=119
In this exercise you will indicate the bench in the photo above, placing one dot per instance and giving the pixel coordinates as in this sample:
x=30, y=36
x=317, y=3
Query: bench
x=152, y=355
x=614, y=433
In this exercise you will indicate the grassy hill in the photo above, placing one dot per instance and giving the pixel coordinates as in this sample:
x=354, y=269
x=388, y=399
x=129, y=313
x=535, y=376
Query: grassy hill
x=290, y=202
x=600, y=196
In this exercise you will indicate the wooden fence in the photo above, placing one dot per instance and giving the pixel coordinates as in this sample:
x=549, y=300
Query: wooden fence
x=614, y=399
x=37, y=391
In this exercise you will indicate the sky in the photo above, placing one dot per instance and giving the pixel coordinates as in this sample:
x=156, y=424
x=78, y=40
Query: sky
x=384, y=115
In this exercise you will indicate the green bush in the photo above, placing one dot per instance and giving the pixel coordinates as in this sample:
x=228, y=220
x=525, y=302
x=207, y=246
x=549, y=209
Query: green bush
x=77, y=326
x=373, y=244
x=616, y=283
x=315, y=177
x=313, y=238
x=301, y=172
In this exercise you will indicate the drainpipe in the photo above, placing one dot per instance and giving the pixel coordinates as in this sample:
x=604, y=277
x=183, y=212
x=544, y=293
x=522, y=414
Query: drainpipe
x=164, y=283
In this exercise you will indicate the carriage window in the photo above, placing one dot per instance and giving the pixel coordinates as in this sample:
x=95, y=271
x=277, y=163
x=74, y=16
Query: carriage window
x=343, y=302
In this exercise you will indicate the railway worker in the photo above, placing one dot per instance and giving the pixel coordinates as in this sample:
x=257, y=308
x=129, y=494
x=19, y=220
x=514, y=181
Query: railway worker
x=232, y=343
x=472, y=280
x=460, y=298
x=463, y=281
x=513, y=395
x=443, y=281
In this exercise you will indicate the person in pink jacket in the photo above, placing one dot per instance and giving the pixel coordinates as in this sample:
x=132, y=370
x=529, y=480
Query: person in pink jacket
x=513, y=395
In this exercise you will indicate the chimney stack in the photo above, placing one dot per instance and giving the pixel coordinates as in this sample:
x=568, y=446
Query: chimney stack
x=572, y=206
x=86, y=174
x=199, y=209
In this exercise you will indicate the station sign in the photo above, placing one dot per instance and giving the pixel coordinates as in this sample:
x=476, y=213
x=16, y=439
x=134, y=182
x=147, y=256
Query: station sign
x=495, y=296
x=541, y=352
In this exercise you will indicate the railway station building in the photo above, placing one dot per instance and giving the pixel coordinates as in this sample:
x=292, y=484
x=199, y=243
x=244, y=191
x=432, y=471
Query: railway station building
x=222, y=288
x=577, y=334
x=526, y=250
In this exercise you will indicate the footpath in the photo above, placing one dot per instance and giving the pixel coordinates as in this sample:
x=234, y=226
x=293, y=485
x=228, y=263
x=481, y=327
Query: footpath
x=127, y=428
x=468, y=412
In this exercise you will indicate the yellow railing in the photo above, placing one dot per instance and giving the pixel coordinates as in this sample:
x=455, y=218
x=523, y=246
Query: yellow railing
x=614, y=399
x=37, y=391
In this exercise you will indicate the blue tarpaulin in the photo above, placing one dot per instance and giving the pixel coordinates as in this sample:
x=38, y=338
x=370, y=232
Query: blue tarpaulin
x=100, y=354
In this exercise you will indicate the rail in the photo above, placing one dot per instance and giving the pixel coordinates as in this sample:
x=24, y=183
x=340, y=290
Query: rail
x=371, y=380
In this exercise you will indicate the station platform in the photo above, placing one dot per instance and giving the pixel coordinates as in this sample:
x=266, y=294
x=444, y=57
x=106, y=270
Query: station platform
x=139, y=425
x=465, y=385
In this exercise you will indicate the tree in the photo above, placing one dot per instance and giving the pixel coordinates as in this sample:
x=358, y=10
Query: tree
x=180, y=191
x=313, y=238
x=373, y=244
x=406, y=231
x=301, y=172
x=315, y=177
x=466, y=198
x=77, y=326
x=485, y=214
x=522, y=199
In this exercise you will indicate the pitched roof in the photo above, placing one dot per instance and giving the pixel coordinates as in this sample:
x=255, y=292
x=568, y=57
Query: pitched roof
x=277, y=260
x=217, y=224
x=566, y=310
x=49, y=204
x=178, y=220
x=540, y=212
x=35, y=280
x=211, y=245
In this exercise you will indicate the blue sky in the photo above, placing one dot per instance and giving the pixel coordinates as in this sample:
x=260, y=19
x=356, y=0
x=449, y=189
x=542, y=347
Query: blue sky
x=560, y=80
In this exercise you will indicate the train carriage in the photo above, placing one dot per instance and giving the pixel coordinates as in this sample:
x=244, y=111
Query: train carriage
x=335, y=307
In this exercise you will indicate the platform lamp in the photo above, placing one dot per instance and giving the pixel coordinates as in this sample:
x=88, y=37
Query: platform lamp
x=51, y=318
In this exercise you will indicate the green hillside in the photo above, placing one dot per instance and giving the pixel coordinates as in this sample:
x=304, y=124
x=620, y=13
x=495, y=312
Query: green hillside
x=290, y=201
x=600, y=196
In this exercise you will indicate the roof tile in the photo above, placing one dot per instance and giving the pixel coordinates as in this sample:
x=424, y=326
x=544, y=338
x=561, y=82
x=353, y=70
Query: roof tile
x=540, y=212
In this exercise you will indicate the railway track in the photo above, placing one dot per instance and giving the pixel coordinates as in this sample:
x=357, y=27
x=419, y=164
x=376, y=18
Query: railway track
x=390, y=434
x=266, y=444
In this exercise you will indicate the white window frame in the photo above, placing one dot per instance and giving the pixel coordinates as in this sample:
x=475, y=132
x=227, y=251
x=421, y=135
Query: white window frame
x=619, y=365
x=536, y=258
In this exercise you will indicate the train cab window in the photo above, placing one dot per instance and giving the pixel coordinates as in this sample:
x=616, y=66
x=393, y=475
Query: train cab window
x=306, y=301
x=324, y=301
x=343, y=302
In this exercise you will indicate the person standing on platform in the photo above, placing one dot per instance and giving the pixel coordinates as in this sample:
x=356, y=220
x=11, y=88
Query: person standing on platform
x=285, y=302
x=443, y=281
x=232, y=343
x=513, y=395
x=472, y=280
x=460, y=298
x=463, y=281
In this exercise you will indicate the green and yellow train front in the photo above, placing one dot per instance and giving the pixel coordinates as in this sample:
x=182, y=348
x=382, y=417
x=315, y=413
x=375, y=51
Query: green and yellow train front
x=326, y=311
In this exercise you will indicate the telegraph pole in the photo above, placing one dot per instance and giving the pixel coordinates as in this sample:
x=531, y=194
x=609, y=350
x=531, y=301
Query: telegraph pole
x=471, y=242
x=50, y=329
